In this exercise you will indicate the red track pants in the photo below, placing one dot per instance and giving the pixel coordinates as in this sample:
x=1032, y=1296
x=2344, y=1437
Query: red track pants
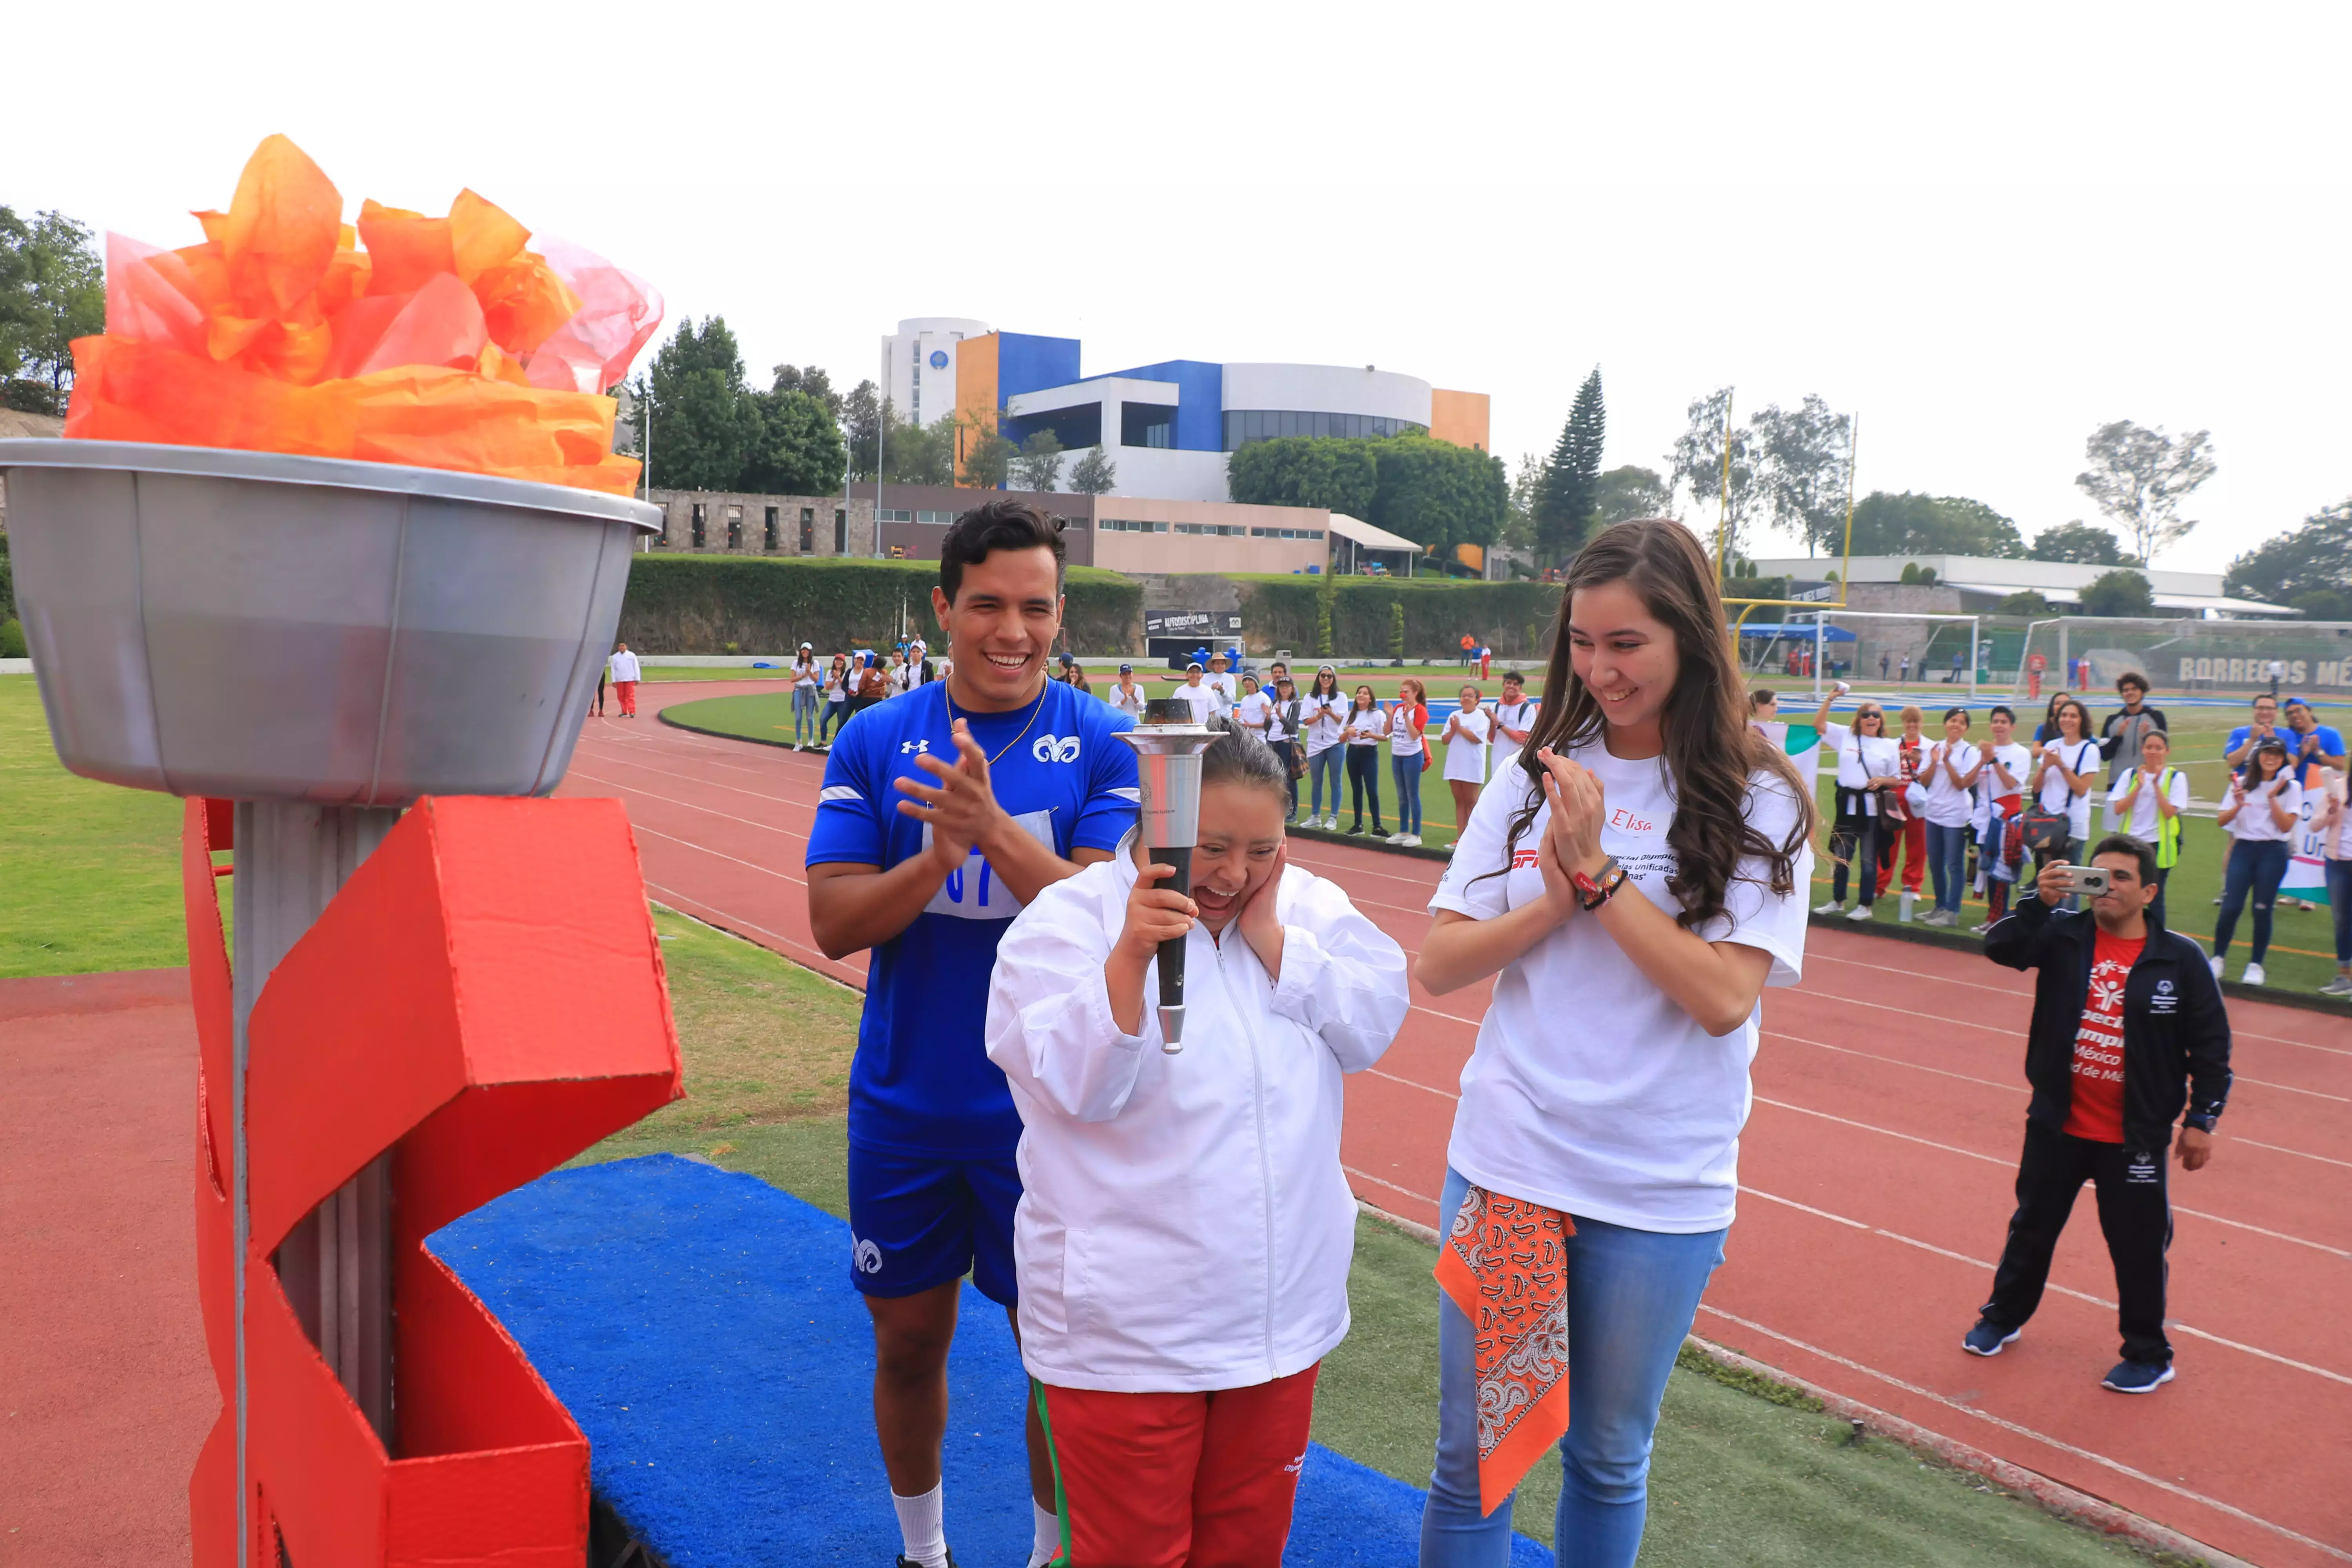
x=626, y=690
x=1179, y=1480
x=1912, y=839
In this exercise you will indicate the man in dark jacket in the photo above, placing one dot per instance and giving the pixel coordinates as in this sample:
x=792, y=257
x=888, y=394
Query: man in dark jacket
x=2128, y=1027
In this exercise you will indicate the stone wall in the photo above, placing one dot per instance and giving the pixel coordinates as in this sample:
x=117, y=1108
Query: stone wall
x=719, y=523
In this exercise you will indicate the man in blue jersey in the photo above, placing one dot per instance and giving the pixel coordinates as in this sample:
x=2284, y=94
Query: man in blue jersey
x=943, y=813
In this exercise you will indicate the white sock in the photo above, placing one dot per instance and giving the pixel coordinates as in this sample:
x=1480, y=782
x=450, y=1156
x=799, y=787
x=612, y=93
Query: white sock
x=922, y=1526
x=1048, y=1539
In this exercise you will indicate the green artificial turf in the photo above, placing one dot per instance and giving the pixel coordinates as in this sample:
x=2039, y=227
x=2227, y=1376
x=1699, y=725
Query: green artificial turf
x=92, y=871
x=1745, y=1472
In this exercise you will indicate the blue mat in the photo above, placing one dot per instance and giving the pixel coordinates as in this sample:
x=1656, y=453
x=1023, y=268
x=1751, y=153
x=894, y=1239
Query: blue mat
x=700, y=1326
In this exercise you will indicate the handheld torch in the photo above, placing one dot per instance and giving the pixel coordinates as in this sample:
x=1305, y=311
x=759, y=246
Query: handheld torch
x=1167, y=744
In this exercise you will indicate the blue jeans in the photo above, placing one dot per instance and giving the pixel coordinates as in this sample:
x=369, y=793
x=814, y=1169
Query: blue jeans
x=1947, y=862
x=2339, y=905
x=806, y=725
x=1408, y=782
x=1324, y=763
x=1632, y=1295
x=837, y=714
x=2257, y=866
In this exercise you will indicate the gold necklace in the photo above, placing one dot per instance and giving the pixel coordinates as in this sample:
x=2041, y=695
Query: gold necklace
x=1036, y=708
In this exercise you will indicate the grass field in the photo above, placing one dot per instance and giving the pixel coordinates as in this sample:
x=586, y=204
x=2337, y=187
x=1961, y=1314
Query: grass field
x=1741, y=1476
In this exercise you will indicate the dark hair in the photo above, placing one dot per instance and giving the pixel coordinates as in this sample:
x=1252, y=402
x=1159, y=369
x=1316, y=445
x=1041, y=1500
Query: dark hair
x=1711, y=753
x=2132, y=678
x=1515, y=675
x=2262, y=698
x=1314, y=687
x=2138, y=849
x=2081, y=720
x=1960, y=713
x=1239, y=757
x=1363, y=689
x=2000, y=709
x=2274, y=747
x=1000, y=524
x=1758, y=697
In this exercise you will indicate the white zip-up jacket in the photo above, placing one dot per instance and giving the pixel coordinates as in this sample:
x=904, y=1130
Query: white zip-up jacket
x=1184, y=1224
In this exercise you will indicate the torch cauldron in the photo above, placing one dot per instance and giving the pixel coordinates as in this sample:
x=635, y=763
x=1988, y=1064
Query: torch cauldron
x=1167, y=746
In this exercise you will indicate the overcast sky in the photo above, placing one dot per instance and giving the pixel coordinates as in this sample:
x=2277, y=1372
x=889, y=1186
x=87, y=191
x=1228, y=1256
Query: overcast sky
x=1985, y=230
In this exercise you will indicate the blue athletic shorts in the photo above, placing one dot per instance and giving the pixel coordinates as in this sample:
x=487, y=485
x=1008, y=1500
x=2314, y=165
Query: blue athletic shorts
x=918, y=1221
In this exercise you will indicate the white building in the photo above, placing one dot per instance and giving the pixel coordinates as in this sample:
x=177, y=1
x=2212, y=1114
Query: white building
x=918, y=366
x=1983, y=581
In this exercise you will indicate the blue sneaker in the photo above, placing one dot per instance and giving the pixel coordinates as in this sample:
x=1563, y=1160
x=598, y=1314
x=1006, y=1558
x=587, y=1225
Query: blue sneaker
x=1987, y=1338
x=2138, y=1376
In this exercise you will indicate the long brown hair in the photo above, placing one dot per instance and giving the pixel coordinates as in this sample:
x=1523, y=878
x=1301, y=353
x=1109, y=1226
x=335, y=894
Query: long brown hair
x=1711, y=753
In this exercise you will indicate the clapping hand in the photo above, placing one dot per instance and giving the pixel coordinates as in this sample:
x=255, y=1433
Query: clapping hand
x=1578, y=809
x=961, y=808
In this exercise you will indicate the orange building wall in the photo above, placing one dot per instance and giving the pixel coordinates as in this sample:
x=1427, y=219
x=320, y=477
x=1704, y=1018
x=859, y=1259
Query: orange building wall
x=976, y=383
x=1456, y=416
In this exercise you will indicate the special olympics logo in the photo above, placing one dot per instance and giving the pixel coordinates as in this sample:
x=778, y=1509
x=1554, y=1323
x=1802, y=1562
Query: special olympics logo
x=864, y=1257
x=1054, y=749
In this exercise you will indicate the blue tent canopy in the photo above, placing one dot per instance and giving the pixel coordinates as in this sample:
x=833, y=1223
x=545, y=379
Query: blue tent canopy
x=1801, y=630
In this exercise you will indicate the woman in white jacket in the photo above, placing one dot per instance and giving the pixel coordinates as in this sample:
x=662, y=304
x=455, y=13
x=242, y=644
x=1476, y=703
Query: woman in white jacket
x=1184, y=1231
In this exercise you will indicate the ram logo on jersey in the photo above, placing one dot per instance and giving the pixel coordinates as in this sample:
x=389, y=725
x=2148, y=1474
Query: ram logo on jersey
x=1056, y=749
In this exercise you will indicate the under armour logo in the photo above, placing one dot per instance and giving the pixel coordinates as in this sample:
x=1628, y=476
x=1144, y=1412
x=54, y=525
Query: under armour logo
x=922, y=746
x=1054, y=749
x=865, y=1257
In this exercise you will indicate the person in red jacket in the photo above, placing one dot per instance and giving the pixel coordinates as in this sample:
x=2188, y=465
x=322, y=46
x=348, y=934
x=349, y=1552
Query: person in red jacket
x=2129, y=1029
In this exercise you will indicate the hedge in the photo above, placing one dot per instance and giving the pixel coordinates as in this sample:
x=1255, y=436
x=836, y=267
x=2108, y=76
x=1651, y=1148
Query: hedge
x=720, y=603
x=1515, y=619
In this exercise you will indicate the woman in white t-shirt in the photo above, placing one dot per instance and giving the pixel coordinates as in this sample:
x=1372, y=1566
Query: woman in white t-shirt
x=2335, y=837
x=1466, y=738
x=2261, y=812
x=807, y=724
x=1868, y=761
x=1253, y=709
x=1632, y=913
x=2065, y=779
x=2148, y=803
x=1368, y=728
x=839, y=688
x=1947, y=771
x=1409, y=756
x=1324, y=711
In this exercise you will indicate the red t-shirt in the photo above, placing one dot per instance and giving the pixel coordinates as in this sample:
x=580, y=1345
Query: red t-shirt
x=2097, y=1111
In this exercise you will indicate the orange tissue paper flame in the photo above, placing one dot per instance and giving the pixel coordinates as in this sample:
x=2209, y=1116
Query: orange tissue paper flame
x=442, y=343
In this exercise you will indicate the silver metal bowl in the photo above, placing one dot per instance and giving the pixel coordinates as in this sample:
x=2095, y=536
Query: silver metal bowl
x=258, y=626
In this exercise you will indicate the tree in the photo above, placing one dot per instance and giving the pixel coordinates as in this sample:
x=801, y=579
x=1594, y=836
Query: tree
x=1520, y=514
x=2083, y=543
x=52, y=290
x=988, y=457
x=862, y=422
x=2122, y=592
x=1804, y=469
x=1911, y=524
x=1437, y=493
x=2139, y=477
x=707, y=426
x=1569, y=488
x=1697, y=462
x=1094, y=473
x=2309, y=565
x=922, y=455
x=1337, y=474
x=1039, y=466
x=813, y=380
x=798, y=451
x=1632, y=492
x=2029, y=603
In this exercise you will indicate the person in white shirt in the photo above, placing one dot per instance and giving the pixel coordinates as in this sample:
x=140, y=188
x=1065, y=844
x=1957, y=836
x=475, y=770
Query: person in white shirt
x=2000, y=800
x=1185, y=1227
x=1368, y=726
x=623, y=668
x=808, y=725
x=1868, y=761
x=2261, y=812
x=904, y=675
x=1515, y=714
x=2335, y=837
x=1286, y=735
x=1466, y=755
x=1127, y=696
x=1196, y=694
x=1947, y=771
x=1325, y=710
x=1220, y=679
x=1409, y=756
x=2065, y=780
x=1631, y=910
x=1253, y=709
x=2148, y=803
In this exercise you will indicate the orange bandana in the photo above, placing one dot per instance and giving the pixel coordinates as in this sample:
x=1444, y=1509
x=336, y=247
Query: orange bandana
x=1505, y=1264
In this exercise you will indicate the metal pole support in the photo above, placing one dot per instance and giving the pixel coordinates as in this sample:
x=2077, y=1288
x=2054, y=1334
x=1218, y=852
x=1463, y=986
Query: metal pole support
x=291, y=860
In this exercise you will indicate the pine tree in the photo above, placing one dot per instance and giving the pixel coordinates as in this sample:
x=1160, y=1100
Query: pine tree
x=1568, y=492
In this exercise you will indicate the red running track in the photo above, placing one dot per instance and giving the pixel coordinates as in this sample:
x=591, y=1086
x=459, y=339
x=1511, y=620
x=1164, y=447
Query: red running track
x=1889, y=1107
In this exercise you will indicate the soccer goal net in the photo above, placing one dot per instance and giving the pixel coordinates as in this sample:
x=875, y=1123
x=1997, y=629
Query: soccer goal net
x=2187, y=657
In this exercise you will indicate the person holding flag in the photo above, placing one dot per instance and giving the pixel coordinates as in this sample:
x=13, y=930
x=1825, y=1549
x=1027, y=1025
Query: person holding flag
x=943, y=815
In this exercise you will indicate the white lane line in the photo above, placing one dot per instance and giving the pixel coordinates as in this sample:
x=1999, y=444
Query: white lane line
x=2278, y=1149
x=686, y=903
x=689, y=806
x=706, y=849
x=1409, y=1083
x=1378, y=1182
x=796, y=804
x=2024, y=1431
x=1449, y=1017
x=2009, y=1165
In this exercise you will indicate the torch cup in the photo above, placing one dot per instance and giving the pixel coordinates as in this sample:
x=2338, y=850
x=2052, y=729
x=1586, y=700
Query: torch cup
x=1168, y=745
